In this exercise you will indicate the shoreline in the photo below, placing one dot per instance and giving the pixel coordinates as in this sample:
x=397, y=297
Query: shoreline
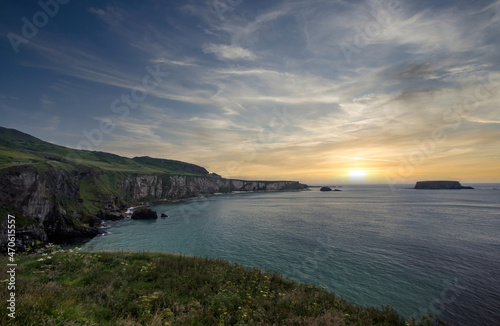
x=128, y=211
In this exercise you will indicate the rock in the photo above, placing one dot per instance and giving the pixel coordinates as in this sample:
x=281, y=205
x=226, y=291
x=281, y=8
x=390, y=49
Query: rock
x=110, y=216
x=144, y=214
x=337, y=190
x=163, y=215
x=440, y=185
x=96, y=222
x=326, y=189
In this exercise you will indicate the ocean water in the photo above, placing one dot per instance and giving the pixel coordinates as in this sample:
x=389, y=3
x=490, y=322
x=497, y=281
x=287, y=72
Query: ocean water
x=419, y=251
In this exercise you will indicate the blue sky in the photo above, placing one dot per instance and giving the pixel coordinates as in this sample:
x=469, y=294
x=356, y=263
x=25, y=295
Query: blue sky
x=316, y=91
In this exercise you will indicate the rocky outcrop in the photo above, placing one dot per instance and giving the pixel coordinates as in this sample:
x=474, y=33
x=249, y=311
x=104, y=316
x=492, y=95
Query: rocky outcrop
x=144, y=214
x=325, y=189
x=440, y=185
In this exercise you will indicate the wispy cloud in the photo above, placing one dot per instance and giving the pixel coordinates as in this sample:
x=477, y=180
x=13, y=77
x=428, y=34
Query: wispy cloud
x=228, y=52
x=226, y=78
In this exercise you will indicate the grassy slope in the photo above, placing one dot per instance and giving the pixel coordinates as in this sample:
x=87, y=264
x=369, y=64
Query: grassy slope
x=22, y=148
x=117, y=288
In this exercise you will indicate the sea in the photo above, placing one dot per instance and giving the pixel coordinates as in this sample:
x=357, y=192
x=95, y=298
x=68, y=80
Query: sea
x=419, y=251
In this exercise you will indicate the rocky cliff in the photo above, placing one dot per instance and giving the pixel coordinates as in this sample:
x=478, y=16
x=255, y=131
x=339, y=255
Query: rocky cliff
x=40, y=199
x=157, y=187
x=59, y=194
x=59, y=205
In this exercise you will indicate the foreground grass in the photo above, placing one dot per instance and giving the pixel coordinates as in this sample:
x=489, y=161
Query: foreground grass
x=116, y=288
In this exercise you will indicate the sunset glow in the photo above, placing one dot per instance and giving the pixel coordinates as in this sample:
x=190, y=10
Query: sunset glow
x=314, y=91
x=357, y=176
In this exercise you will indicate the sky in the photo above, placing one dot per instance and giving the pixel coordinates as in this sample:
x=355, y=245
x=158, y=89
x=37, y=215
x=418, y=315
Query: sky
x=321, y=92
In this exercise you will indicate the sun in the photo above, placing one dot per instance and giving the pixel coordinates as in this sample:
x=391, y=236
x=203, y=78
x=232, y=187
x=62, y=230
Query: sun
x=357, y=175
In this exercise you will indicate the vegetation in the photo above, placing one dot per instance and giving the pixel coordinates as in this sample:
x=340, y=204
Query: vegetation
x=17, y=148
x=97, y=175
x=76, y=287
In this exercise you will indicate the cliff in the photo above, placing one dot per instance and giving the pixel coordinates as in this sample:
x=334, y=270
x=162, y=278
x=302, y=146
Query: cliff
x=57, y=194
x=440, y=185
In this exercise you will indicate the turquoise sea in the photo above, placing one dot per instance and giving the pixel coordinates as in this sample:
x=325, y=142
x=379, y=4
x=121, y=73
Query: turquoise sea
x=419, y=251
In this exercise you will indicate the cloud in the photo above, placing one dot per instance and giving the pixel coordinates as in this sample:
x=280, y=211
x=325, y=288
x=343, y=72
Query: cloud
x=228, y=52
x=52, y=124
x=226, y=78
x=8, y=97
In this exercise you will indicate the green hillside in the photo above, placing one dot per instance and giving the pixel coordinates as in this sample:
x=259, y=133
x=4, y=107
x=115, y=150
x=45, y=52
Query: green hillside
x=18, y=148
x=90, y=180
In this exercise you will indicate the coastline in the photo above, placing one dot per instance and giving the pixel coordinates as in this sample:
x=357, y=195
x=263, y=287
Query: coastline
x=127, y=212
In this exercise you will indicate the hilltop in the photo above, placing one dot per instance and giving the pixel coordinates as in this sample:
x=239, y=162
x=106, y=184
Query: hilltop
x=19, y=148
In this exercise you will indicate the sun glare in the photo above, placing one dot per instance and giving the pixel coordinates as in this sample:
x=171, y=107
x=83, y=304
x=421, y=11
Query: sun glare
x=357, y=175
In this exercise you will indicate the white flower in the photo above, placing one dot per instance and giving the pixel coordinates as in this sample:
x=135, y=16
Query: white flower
x=41, y=259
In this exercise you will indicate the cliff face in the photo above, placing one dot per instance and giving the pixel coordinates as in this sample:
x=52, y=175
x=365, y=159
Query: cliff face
x=39, y=200
x=155, y=187
x=440, y=185
x=57, y=205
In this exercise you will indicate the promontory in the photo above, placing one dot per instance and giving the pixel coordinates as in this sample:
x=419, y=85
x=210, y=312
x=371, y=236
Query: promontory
x=60, y=195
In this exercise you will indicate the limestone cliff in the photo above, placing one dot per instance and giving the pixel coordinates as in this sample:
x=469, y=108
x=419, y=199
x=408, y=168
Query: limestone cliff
x=156, y=187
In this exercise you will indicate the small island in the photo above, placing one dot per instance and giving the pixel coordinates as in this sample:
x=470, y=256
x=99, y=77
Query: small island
x=440, y=185
x=325, y=189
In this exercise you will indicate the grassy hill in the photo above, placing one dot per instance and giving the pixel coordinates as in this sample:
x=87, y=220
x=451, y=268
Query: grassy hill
x=18, y=148
x=115, y=288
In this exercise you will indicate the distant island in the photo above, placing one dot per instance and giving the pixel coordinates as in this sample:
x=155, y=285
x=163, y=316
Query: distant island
x=440, y=185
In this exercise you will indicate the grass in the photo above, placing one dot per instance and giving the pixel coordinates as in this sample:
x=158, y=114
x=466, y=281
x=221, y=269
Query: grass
x=17, y=148
x=97, y=175
x=74, y=287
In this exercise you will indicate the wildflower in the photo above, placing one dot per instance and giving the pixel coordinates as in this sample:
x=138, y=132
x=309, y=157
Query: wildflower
x=41, y=259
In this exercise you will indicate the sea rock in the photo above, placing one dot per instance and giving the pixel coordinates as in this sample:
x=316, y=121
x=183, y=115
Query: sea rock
x=144, y=214
x=326, y=189
x=163, y=215
x=440, y=185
